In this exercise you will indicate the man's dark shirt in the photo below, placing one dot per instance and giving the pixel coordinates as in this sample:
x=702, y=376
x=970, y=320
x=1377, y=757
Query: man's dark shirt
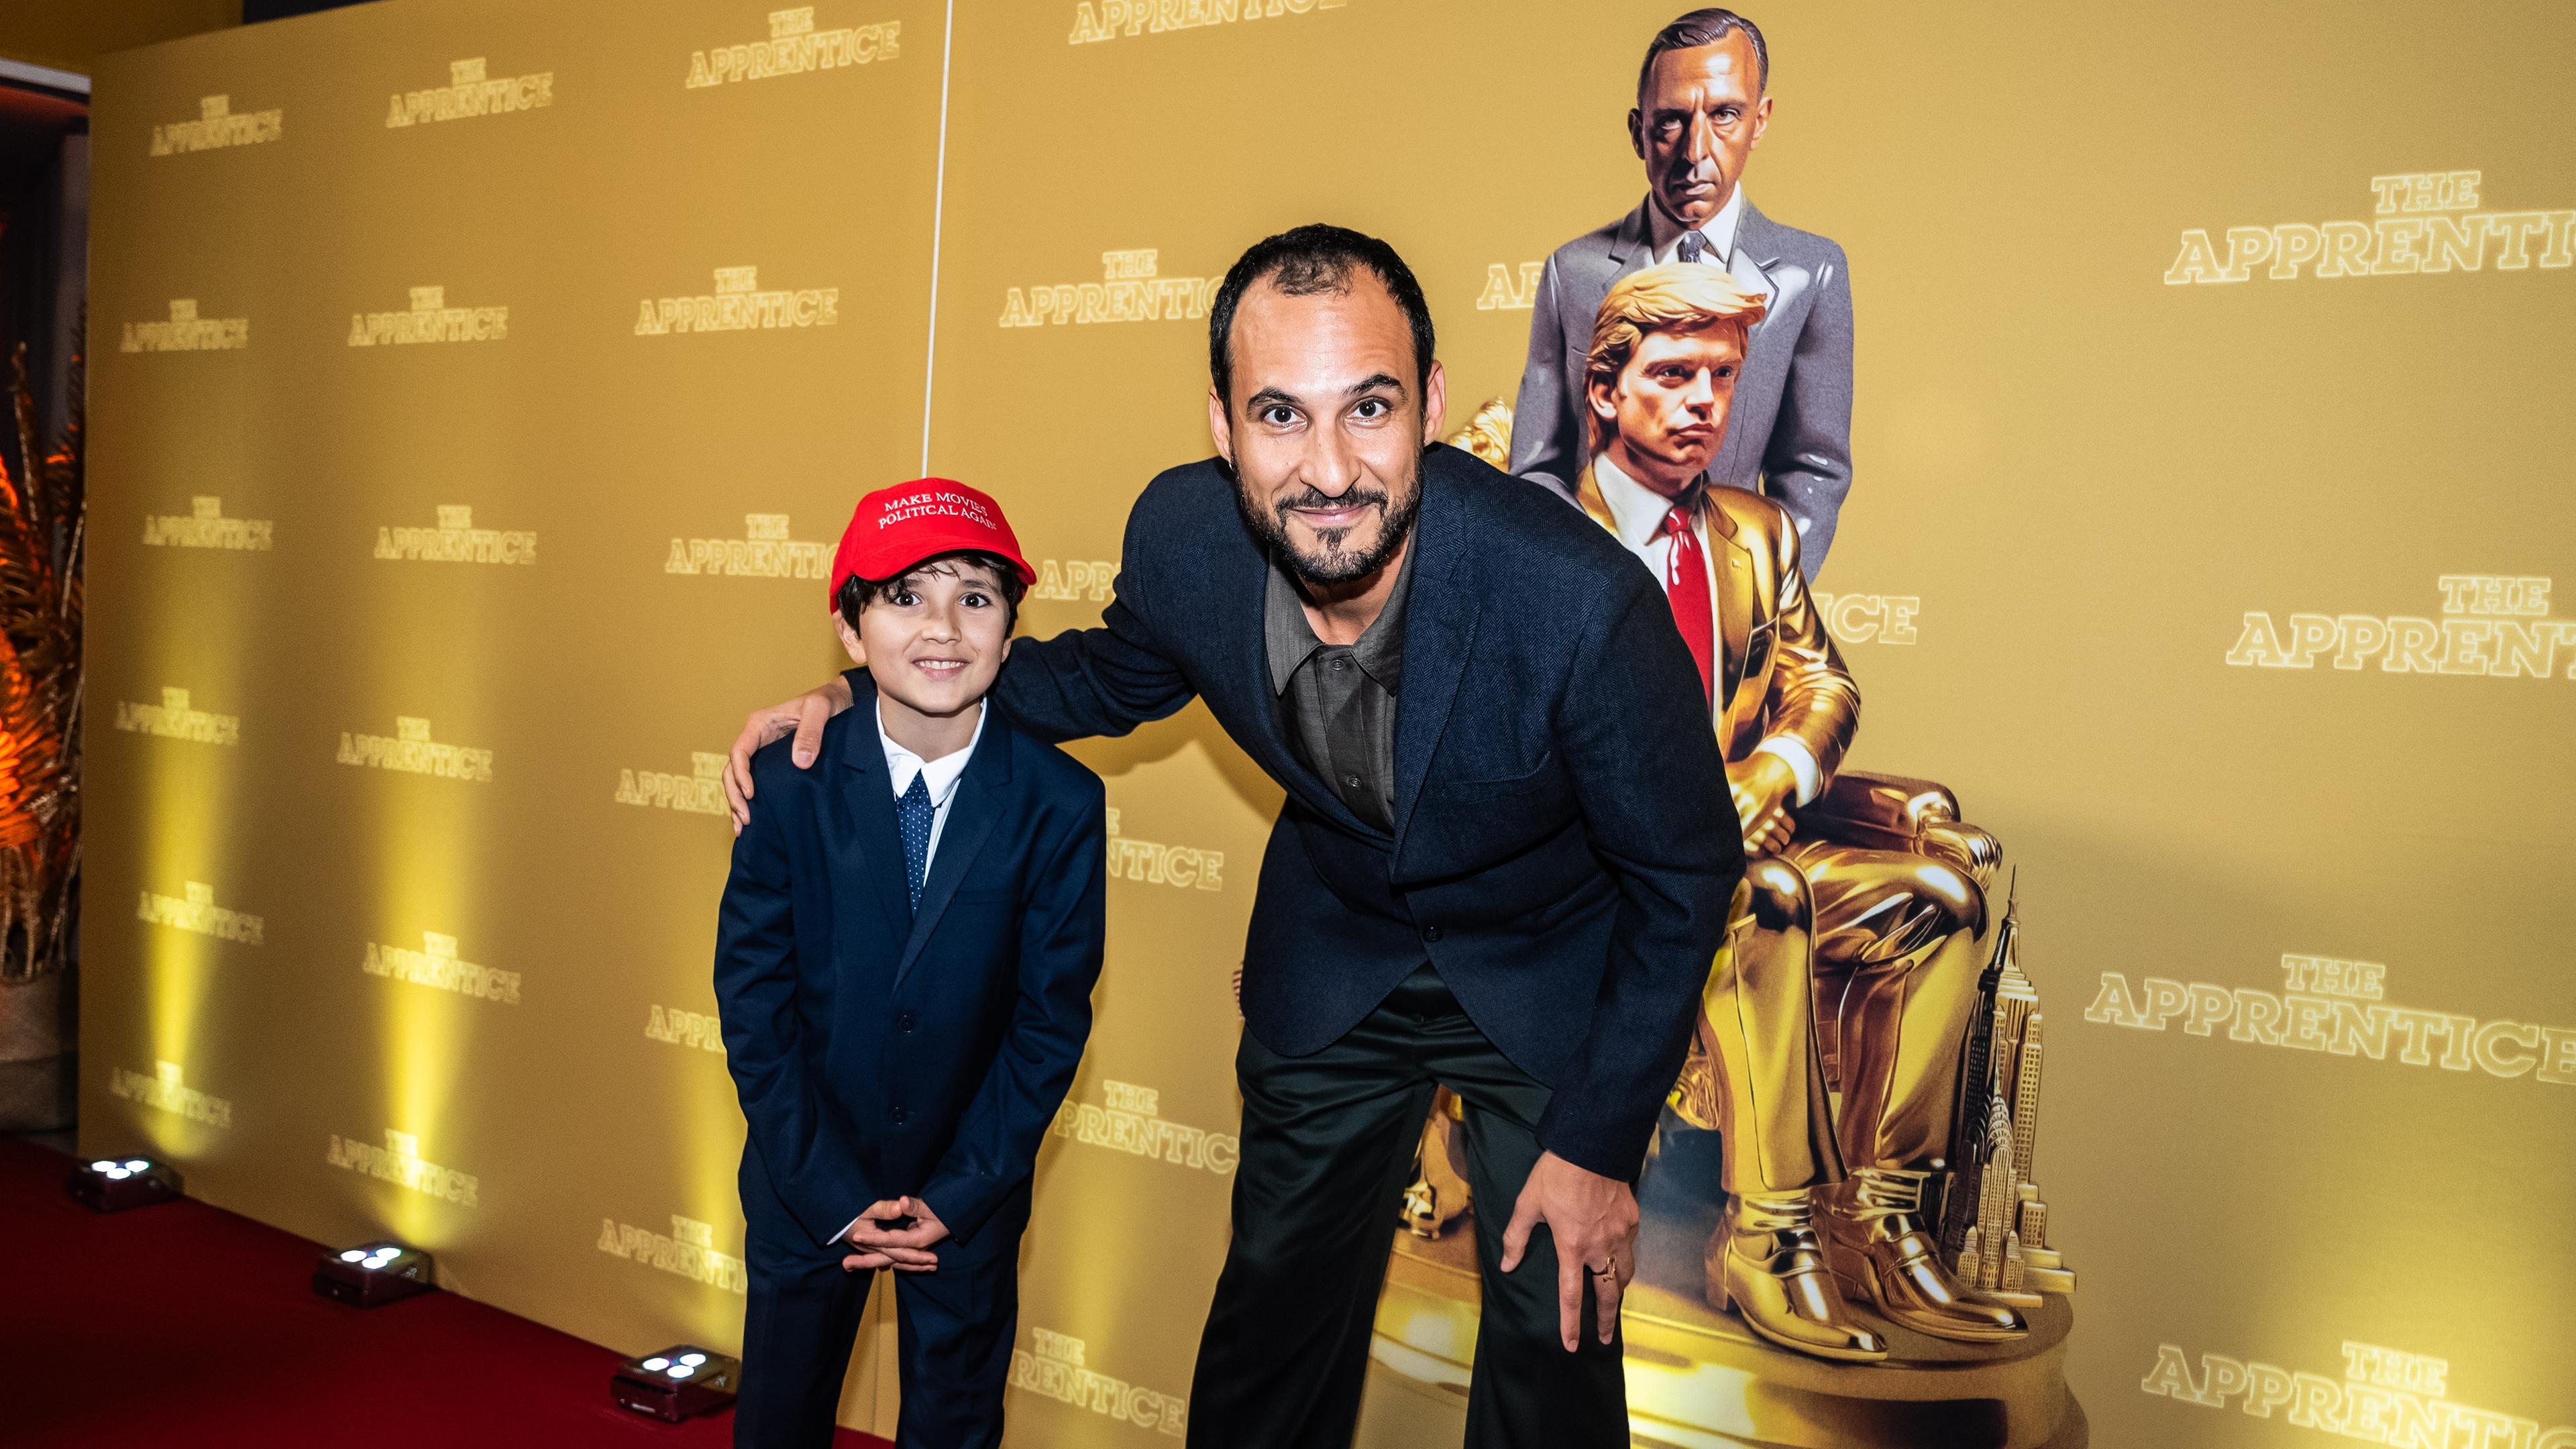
x=1341, y=698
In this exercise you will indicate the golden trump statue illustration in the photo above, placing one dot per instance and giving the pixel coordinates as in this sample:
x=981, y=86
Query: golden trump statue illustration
x=1868, y=1051
x=1869, y=948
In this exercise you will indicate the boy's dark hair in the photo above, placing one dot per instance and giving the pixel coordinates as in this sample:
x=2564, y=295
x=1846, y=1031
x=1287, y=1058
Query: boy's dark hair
x=1310, y=259
x=856, y=592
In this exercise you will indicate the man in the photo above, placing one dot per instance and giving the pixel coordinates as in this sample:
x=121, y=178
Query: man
x=1472, y=883
x=1703, y=103
x=1881, y=943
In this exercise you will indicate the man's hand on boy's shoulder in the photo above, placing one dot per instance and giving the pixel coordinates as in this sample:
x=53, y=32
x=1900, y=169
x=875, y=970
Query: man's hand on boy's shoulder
x=806, y=714
x=881, y=1245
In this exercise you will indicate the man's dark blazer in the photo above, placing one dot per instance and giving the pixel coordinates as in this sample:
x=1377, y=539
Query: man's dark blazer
x=1562, y=849
x=880, y=1052
x=1788, y=434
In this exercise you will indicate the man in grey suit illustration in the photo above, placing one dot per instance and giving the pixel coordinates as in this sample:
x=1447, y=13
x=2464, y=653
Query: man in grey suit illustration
x=1702, y=104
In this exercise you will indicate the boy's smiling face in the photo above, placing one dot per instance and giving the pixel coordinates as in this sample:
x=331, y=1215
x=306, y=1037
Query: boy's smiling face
x=935, y=640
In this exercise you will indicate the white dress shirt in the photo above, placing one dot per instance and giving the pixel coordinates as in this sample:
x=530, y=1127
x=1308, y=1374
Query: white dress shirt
x=1721, y=251
x=940, y=776
x=1637, y=513
x=1719, y=230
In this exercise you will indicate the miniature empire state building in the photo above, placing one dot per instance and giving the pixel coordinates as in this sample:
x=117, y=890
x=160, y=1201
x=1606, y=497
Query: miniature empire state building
x=1994, y=1226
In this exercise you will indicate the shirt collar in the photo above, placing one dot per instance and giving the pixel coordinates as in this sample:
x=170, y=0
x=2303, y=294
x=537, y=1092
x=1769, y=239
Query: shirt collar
x=939, y=775
x=1637, y=512
x=1665, y=232
x=1289, y=640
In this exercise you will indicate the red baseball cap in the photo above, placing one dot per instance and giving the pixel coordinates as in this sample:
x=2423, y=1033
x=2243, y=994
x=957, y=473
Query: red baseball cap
x=895, y=528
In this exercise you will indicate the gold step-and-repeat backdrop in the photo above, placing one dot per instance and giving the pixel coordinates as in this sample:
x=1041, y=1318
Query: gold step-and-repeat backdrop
x=478, y=389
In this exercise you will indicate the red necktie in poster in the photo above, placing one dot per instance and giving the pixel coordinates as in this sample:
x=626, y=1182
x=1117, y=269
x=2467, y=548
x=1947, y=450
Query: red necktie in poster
x=1686, y=589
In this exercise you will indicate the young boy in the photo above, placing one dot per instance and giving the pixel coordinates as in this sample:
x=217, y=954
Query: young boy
x=904, y=964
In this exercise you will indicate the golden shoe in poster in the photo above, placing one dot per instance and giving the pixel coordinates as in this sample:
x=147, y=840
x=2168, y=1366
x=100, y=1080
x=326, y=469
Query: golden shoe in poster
x=1438, y=1197
x=1768, y=1267
x=1881, y=1255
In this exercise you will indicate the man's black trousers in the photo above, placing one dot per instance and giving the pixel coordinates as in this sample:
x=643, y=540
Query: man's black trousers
x=1328, y=1144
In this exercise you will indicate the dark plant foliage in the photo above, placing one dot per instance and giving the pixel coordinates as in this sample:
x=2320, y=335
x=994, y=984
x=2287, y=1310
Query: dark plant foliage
x=43, y=513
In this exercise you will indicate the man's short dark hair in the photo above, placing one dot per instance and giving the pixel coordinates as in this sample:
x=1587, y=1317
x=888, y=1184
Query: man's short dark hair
x=1698, y=28
x=1310, y=259
x=857, y=593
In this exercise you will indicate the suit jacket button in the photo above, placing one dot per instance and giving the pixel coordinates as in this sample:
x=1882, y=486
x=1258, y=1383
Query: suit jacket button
x=904, y=1022
x=1431, y=933
x=898, y=1116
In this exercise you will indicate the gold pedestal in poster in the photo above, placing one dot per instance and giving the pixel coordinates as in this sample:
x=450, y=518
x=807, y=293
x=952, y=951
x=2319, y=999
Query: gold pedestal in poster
x=1698, y=1379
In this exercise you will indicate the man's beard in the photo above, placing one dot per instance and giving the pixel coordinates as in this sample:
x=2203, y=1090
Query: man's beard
x=1335, y=565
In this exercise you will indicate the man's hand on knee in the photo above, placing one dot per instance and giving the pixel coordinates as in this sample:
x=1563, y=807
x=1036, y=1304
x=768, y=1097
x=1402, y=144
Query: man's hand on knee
x=806, y=714
x=1594, y=1221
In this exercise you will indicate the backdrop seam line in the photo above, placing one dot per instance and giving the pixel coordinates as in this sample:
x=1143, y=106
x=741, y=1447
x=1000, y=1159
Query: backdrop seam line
x=938, y=206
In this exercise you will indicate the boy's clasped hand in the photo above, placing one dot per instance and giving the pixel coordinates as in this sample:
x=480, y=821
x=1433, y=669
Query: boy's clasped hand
x=896, y=1233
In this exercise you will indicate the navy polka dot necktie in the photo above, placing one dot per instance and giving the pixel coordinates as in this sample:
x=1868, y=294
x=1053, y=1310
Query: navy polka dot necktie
x=912, y=817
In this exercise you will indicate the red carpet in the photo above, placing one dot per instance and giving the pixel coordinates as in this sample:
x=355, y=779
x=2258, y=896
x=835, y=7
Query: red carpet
x=182, y=1324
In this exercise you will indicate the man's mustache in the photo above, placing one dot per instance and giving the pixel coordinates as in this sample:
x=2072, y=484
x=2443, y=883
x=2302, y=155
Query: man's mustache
x=1315, y=497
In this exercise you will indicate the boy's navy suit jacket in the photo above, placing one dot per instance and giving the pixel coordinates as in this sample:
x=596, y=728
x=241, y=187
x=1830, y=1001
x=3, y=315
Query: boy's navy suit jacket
x=881, y=1052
